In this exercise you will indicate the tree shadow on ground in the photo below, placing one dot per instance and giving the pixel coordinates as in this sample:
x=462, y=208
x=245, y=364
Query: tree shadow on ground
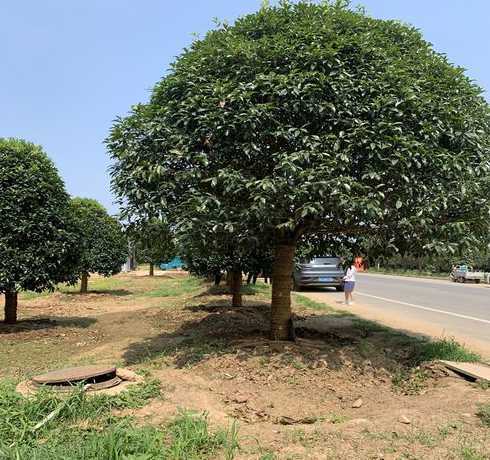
x=215, y=329
x=42, y=323
x=108, y=292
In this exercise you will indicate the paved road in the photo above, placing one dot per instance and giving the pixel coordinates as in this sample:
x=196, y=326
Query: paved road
x=434, y=307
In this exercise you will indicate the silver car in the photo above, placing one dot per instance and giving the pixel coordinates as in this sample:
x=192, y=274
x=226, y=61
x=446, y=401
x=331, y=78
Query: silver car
x=325, y=271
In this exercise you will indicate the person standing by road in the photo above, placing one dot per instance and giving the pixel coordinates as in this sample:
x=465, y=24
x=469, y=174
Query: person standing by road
x=349, y=283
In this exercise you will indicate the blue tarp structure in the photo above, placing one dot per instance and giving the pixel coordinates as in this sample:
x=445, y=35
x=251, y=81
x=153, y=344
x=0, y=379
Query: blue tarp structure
x=175, y=263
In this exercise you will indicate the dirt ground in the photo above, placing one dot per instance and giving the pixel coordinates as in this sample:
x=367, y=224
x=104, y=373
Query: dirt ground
x=344, y=390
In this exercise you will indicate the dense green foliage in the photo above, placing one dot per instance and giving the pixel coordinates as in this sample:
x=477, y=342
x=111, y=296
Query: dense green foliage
x=308, y=118
x=154, y=241
x=102, y=244
x=37, y=237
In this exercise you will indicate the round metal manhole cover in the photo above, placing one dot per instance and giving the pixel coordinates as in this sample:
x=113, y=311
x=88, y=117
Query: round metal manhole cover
x=97, y=377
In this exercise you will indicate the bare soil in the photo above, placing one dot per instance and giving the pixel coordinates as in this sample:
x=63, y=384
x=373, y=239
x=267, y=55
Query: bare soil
x=343, y=390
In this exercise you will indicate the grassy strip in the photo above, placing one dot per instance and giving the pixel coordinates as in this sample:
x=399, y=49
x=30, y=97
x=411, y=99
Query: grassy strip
x=309, y=303
x=175, y=288
x=409, y=273
x=448, y=349
x=423, y=350
x=87, y=429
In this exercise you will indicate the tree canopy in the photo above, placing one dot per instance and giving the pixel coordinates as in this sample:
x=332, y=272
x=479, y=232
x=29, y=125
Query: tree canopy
x=154, y=241
x=37, y=237
x=309, y=119
x=102, y=244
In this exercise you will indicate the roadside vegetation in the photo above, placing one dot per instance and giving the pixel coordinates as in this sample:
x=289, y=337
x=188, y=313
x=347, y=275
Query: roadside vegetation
x=86, y=428
x=305, y=128
x=217, y=387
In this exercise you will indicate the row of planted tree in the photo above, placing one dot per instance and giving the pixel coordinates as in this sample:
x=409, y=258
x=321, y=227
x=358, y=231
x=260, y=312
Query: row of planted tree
x=301, y=128
x=309, y=127
x=46, y=237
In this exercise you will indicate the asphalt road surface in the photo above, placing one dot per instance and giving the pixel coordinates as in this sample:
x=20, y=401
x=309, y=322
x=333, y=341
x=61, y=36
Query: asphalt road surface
x=433, y=307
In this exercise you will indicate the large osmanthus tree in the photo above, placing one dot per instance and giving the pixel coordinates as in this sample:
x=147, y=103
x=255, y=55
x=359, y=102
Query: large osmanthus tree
x=101, y=241
x=313, y=118
x=38, y=240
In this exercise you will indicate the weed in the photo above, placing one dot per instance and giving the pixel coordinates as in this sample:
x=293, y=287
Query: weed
x=366, y=348
x=445, y=430
x=447, y=349
x=483, y=384
x=337, y=418
x=484, y=414
x=268, y=456
x=426, y=439
x=264, y=361
x=191, y=439
x=409, y=382
x=470, y=453
x=85, y=428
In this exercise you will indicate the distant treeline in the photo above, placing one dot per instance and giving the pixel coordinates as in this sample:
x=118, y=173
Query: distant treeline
x=433, y=264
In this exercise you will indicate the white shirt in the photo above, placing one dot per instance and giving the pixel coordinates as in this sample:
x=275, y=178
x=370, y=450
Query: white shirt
x=350, y=274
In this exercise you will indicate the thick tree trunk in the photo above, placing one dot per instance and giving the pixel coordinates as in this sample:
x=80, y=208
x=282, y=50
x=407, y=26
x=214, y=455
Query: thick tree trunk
x=84, y=284
x=10, y=307
x=282, y=270
x=152, y=269
x=236, y=285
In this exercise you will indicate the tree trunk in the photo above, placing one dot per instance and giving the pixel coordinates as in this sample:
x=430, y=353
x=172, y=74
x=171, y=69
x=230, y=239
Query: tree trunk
x=229, y=279
x=217, y=278
x=152, y=269
x=282, y=271
x=84, y=284
x=10, y=307
x=236, y=284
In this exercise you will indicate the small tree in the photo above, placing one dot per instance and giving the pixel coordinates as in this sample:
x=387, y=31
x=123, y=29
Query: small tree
x=154, y=242
x=313, y=119
x=102, y=244
x=37, y=237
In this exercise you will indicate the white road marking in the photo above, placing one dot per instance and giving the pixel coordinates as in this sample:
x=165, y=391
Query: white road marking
x=420, y=307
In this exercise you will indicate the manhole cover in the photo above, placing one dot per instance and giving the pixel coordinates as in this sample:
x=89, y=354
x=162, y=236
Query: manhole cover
x=98, y=377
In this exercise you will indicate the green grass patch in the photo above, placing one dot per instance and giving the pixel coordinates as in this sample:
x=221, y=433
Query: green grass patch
x=85, y=427
x=447, y=349
x=257, y=289
x=98, y=285
x=191, y=439
x=308, y=303
x=175, y=287
x=29, y=295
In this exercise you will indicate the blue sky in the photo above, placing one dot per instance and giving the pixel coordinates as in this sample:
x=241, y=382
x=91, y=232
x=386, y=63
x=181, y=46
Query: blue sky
x=68, y=68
